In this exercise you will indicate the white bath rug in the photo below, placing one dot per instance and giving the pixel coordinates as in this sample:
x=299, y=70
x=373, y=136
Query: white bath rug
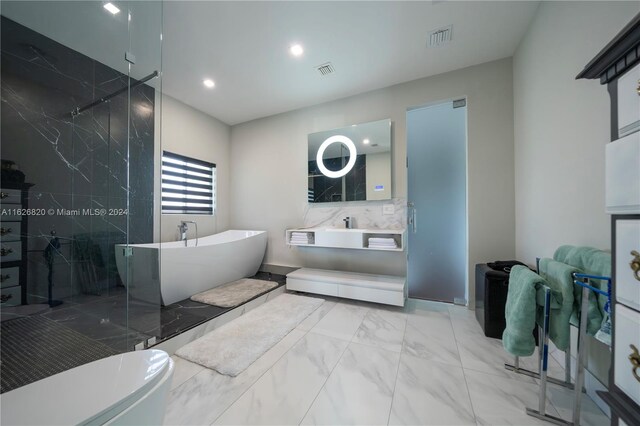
x=234, y=346
x=234, y=293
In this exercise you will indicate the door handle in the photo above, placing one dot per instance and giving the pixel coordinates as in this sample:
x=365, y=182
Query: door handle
x=415, y=220
x=635, y=264
x=634, y=359
x=412, y=218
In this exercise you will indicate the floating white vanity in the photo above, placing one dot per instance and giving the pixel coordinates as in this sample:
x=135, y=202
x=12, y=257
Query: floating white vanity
x=363, y=239
x=386, y=289
x=366, y=176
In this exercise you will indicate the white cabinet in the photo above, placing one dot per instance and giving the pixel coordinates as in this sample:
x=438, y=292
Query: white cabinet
x=629, y=102
x=386, y=289
x=622, y=175
x=627, y=331
x=627, y=281
x=10, y=231
x=11, y=196
x=618, y=66
x=9, y=277
x=10, y=296
x=11, y=251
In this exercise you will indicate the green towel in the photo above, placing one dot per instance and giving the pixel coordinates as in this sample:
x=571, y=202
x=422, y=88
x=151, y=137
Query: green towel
x=590, y=261
x=520, y=311
x=559, y=278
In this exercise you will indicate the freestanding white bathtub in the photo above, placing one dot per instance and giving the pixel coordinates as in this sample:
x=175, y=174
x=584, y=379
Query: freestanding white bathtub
x=179, y=272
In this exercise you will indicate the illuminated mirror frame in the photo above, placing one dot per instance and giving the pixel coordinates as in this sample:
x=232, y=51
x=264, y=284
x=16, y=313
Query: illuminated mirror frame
x=352, y=156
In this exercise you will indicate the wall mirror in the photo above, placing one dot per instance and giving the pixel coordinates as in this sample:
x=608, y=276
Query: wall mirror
x=352, y=163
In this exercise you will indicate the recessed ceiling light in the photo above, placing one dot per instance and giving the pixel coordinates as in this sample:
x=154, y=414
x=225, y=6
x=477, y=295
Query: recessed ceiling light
x=366, y=141
x=112, y=8
x=208, y=83
x=296, y=50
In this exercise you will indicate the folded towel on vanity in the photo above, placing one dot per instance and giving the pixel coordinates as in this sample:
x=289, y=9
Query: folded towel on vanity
x=382, y=243
x=381, y=240
x=300, y=238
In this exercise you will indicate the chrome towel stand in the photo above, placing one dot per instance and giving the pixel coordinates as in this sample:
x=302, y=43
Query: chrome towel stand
x=583, y=281
x=515, y=367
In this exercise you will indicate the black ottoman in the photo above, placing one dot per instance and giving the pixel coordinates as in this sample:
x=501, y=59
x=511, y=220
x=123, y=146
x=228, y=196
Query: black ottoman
x=492, y=285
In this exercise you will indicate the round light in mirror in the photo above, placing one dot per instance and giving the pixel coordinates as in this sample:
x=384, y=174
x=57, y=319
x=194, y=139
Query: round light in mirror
x=352, y=156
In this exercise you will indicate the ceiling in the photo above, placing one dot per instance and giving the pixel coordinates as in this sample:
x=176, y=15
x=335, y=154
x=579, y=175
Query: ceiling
x=243, y=46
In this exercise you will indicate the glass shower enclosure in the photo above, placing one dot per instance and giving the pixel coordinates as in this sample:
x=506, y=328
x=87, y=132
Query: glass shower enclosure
x=80, y=142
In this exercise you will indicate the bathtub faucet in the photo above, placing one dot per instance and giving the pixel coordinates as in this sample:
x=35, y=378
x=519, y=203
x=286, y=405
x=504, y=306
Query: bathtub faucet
x=183, y=231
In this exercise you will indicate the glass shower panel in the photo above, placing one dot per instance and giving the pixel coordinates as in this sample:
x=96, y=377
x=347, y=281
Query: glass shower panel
x=145, y=48
x=78, y=137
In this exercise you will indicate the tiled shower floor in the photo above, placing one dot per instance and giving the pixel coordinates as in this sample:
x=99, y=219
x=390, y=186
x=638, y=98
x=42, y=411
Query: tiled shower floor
x=94, y=325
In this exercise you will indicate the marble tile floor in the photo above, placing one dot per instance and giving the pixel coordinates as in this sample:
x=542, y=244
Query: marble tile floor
x=361, y=363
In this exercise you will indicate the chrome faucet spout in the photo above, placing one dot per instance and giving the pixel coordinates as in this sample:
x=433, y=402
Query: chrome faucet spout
x=183, y=228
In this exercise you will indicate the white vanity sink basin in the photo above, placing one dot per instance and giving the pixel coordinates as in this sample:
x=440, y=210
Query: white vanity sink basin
x=339, y=237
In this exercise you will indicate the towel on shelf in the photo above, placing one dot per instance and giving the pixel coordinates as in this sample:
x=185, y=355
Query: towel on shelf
x=382, y=243
x=381, y=239
x=520, y=311
x=559, y=277
x=299, y=238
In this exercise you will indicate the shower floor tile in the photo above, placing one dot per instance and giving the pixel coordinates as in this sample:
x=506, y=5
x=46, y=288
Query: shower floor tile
x=36, y=347
x=89, y=327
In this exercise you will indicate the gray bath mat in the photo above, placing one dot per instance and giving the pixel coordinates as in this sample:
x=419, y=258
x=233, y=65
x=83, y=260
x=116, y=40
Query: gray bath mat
x=234, y=293
x=234, y=346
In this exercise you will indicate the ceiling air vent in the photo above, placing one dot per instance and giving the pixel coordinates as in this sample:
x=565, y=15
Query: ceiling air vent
x=439, y=37
x=325, y=69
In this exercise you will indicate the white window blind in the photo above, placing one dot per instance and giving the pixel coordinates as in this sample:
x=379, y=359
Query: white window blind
x=188, y=185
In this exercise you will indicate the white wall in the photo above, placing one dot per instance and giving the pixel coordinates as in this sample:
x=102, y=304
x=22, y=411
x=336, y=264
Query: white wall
x=269, y=163
x=187, y=131
x=561, y=128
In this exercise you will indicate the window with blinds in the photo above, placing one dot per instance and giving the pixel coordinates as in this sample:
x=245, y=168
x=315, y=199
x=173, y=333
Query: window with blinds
x=188, y=185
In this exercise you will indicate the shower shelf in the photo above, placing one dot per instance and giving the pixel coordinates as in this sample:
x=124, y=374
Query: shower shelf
x=347, y=238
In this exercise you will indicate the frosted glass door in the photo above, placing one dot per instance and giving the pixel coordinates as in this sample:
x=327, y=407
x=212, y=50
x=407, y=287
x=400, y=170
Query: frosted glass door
x=437, y=174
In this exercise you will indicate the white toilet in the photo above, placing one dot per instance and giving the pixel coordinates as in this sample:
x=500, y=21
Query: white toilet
x=125, y=389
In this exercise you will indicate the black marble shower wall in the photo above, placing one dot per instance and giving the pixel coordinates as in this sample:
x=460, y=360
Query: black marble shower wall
x=77, y=165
